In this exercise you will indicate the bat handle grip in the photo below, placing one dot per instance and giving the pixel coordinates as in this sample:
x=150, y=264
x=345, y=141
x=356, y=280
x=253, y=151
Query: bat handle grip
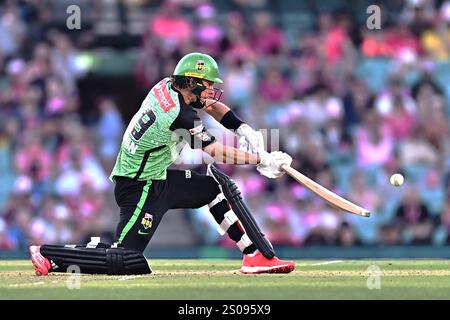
x=286, y=168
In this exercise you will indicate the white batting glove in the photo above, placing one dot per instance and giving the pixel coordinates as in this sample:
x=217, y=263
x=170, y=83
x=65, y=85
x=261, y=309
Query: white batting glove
x=271, y=164
x=250, y=140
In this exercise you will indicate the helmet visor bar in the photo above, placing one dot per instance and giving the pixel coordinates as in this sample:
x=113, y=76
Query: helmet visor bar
x=213, y=94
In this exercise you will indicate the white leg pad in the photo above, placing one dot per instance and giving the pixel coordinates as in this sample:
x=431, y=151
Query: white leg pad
x=220, y=197
x=244, y=242
x=229, y=219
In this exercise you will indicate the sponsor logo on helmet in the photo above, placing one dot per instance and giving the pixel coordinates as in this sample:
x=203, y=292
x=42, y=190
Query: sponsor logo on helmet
x=194, y=74
x=200, y=65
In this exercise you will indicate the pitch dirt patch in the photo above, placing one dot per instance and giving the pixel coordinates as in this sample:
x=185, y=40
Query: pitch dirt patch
x=29, y=277
x=315, y=273
x=196, y=273
x=364, y=273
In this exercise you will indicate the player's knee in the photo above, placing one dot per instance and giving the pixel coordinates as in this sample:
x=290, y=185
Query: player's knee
x=208, y=186
x=214, y=189
x=122, y=261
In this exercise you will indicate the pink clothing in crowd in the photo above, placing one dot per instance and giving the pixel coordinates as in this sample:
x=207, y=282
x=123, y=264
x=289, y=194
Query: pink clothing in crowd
x=333, y=44
x=174, y=29
x=34, y=157
x=401, y=125
x=374, y=153
x=273, y=88
x=64, y=152
x=267, y=41
x=398, y=41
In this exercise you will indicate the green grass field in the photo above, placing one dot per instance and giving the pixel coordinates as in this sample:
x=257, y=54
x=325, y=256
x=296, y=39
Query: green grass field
x=220, y=279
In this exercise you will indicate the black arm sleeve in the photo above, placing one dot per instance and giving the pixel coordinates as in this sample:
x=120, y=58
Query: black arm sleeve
x=189, y=126
x=231, y=121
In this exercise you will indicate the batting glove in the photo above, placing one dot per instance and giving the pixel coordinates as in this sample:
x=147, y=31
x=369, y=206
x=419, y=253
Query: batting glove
x=249, y=140
x=271, y=164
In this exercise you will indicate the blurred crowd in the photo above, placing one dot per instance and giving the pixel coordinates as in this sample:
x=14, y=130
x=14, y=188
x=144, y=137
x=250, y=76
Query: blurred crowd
x=53, y=169
x=352, y=106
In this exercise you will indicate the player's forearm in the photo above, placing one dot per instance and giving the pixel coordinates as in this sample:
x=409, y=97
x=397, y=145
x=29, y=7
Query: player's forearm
x=231, y=155
x=221, y=113
x=216, y=109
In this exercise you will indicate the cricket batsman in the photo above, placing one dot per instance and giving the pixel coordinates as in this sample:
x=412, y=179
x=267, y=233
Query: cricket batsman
x=145, y=189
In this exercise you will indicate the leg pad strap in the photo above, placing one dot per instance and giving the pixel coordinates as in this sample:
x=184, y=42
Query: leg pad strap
x=229, y=219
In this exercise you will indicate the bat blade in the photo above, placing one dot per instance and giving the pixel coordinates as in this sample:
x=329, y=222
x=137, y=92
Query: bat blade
x=329, y=196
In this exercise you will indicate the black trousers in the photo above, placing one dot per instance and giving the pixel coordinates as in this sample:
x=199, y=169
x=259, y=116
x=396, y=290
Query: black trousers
x=143, y=204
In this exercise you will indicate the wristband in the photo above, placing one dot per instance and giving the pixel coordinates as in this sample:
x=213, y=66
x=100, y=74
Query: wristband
x=231, y=121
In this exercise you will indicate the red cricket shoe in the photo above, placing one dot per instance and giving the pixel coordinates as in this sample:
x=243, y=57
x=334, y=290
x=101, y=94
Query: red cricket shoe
x=260, y=264
x=41, y=264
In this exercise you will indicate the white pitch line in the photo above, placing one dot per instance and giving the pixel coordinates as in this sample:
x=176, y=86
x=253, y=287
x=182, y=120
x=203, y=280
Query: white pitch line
x=131, y=277
x=26, y=284
x=326, y=262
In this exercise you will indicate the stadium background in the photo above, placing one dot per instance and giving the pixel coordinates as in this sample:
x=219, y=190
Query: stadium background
x=353, y=106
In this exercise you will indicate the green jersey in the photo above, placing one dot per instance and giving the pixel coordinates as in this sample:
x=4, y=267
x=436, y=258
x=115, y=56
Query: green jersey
x=157, y=133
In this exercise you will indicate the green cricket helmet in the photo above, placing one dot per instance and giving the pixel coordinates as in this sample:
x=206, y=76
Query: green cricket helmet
x=192, y=69
x=198, y=65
